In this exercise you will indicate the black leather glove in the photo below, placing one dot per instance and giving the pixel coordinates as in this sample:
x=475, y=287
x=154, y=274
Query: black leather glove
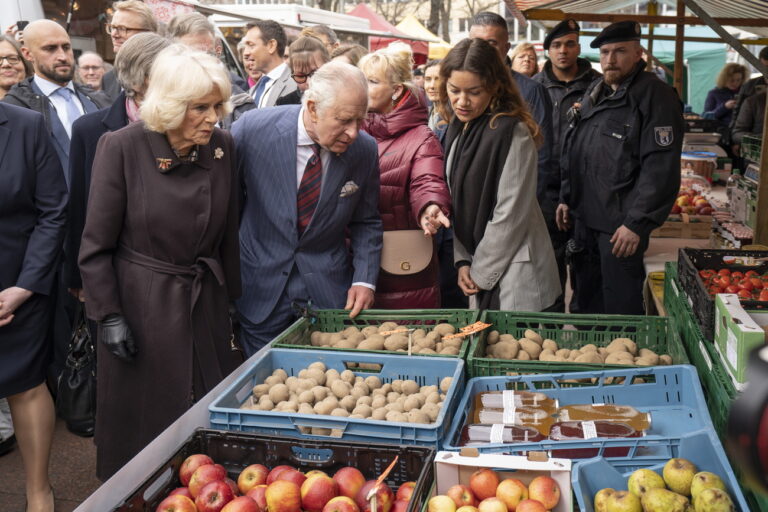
x=115, y=334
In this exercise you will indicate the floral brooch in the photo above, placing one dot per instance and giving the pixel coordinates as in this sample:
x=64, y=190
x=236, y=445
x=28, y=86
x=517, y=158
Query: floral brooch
x=218, y=153
x=164, y=163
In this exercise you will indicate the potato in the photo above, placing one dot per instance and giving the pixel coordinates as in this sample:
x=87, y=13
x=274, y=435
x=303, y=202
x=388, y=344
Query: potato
x=602, y=351
x=345, y=344
x=492, y=338
x=424, y=343
x=348, y=376
x=591, y=357
x=392, y=396
x=665, y=359
x=426, y=351
x=445, y=384
x=549, y=344
x=307, y=397
x=433, y=336
x=317, y=374
x=427, y=390
x=323, y=407
x=350, y=331
x=397, y=386
x=507, y=337
x=379, y=414
x=431, y=410
x=530, y=346
x=377, y=402
x=439, y=347
x=363, y=410
x=320, y=431
x=444, y=329
x=396, y=416
x=339, y=412
x=278, y=393
x=304, y=384
x=629, y=345
x=336, y=337
x=325, y=339
x=320, y=393
x=619, y=357
x=340, y=389
x=418, y=416
x=280, y=374
x=418, y=333
x=507, y=349
x=306, y=409
x=523, y=356
x=433, y=397
x=411, y=403
x=563, y=352
x=369, y=330
x=394, y=406
x=547, y=355
x=644, y=361
x=266, y=405
x=388, y=326
x=409, y=387
x=375, y=342
x=451, y=351
x=616, y=346
x=533, y=336
x=395, y=342
x=291, y=406
x=373, y=382
x=272, y=380
x=387, y=388
x=650, y=355
x=357, y=337
x=453, y=342
x=317, y=365
x=573, y=355
x=589, y=347
x=261, y=389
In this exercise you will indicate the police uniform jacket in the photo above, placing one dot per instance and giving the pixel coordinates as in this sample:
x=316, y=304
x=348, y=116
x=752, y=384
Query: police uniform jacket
x=621, y=159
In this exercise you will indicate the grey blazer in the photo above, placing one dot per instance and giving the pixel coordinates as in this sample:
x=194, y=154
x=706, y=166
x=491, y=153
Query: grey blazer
x=515, y=252
x=282, y=86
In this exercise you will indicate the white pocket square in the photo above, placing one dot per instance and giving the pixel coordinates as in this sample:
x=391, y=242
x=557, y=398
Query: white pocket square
x=348, y=189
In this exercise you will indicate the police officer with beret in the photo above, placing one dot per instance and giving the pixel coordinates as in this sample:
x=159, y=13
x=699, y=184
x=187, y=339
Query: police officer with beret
x=566, y=77
x=621, y=171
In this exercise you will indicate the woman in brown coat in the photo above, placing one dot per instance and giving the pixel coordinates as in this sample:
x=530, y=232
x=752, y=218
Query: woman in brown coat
x=160, y=255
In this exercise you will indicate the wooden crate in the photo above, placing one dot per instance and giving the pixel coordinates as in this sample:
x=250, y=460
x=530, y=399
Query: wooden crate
x=684, y=226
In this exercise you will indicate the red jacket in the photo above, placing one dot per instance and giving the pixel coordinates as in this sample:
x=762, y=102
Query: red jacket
x=411, y=164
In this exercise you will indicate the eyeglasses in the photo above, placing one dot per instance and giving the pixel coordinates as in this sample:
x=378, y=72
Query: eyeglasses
x=115, y=30
x=300, y=78
x=12, y=60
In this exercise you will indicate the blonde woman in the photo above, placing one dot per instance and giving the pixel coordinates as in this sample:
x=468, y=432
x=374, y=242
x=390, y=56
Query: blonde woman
x=524, y=59
x=159, y=256
x=722, y=99
x=414, y=202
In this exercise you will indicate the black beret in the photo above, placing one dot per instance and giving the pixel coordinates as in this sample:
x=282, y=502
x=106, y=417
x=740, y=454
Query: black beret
x=617, y=32
x=567, y=26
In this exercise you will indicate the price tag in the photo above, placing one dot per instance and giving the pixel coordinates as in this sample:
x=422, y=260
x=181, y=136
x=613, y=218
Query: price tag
x=497, y=433
x=468, y=330
x=508, y=398
x=589, y=429
x=396, y=331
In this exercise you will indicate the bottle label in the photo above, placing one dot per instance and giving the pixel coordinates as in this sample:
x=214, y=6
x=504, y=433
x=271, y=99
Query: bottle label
x=564, y=416
x=508, y=399
x=589, y=429
x=497, y=433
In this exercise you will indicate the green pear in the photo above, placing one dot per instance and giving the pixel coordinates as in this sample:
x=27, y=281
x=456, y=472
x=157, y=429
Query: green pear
x=678, y=474
x=600, y=498
x=662, y=500
x=622, y=501
x=644, y=479
x=713, y=500
x=705, y=480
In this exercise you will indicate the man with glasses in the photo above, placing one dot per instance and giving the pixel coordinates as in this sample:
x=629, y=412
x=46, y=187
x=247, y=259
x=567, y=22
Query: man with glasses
x=264, y=44
x=90, y=70
x=130, y=17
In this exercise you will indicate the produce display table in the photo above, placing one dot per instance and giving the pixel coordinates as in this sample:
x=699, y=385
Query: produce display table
x=662, y=250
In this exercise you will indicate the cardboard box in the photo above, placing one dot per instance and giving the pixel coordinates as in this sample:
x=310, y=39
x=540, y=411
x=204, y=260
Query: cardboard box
x=684, y=226
x=737, y=332
x=653, y=294
x=453, y=468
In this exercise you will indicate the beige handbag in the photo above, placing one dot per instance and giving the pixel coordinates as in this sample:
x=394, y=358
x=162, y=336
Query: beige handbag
x=406, y=252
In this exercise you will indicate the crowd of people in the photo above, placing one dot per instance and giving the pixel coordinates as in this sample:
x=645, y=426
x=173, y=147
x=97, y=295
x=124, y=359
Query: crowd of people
x=197, y=214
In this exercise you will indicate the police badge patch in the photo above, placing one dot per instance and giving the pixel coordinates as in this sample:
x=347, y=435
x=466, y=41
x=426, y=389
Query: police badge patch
x=663, y=135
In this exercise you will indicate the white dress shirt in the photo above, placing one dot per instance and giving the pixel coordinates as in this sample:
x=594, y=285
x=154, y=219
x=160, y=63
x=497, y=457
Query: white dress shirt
x=304, y=152
x=273, y=76
x=59, y=103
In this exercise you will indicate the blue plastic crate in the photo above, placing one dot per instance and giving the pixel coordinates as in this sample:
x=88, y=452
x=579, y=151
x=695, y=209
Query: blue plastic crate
x=702, y=448
x=672, y=394
x=225, y=413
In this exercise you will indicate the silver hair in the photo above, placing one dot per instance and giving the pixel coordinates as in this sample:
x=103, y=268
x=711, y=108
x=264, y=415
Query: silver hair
x=135, y=58
x=87, y=53
x=333, y=81
x=191, y=23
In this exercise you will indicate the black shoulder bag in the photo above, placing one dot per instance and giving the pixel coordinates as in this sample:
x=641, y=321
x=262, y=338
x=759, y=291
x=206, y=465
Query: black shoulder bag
x=76, y=397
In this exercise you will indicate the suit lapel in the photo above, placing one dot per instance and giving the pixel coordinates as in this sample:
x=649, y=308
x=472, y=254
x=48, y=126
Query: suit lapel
x=286, y=168
x=5, y=135
x=88, y=105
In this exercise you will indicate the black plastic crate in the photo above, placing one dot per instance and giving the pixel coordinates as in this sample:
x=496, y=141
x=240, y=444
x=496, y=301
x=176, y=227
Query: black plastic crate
x=690, y=261
x=237, y=450
x=700, y=125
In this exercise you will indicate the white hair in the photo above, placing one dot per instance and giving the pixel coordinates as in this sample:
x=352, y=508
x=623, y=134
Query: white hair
x=180, y=76
x=333, y=81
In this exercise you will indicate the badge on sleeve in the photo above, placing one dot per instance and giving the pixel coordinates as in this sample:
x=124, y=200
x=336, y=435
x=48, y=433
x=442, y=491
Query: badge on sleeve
x=663, y=135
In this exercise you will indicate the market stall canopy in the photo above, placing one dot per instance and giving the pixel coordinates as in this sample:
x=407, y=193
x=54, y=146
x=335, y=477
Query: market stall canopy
x=420, y=48
x=413, y=27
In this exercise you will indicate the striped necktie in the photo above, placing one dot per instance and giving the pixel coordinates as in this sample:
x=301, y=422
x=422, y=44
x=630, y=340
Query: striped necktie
x=309, y=190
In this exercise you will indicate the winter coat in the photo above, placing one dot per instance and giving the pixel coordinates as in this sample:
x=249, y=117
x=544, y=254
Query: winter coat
x=715, y=103
x=411, y=166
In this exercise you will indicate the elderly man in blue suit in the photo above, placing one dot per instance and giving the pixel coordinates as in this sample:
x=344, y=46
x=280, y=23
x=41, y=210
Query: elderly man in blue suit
x=311, y=181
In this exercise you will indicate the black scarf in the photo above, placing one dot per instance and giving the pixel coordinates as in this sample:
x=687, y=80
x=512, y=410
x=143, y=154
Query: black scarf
x=478, y=160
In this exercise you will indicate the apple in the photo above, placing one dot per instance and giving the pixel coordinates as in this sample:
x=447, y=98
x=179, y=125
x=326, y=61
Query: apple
x=383, y=495
x=341, y=504
x=292, y=475
x=400, y=506
x=316, y=491
x=530, y=506
x=214, y=496
x=676, y=209
x=176, y=503
x=190, y=464
x=316, y=472
x=684, y=200
x=258, y=494
x=204, y=475
x=544, y=489
x=466, y=508
x=462, y=495
x=492, y=505
x=250, y=477
x=272, y=476
x=441, y=503
x=184, y=491
x=405, y=491
x=483, y=483
x=706, y=210
x=511, y=491
x=241, y=504
x=350, y=480
x=283, y=496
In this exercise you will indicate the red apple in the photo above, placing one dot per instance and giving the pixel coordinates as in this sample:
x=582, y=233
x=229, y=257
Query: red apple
x=176, y=503
x=204, y=475
x=384, y=497
x=232, y=485
x=683, y=200
x=350, y=481
x=250, y=477
x=214, y=496
x=184, y=491
x=545, y=490
x=483, y=483
x=190, y=464
x=341, y=504
x=405, y=491
x=292, y=475
x=316, y=472
x=530, y=506
x=258, y=494
x=492, y=505
x=276, y=472
x=316, y=491
x=676, y=209
x=462, y=495
x=400, y=506
x=441, y=503
x=241, y=504
x=283, y=496
x=511, y=491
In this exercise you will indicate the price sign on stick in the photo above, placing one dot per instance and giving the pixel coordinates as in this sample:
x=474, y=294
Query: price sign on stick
x=402, y=330
x=372, y=493
x=468, y=330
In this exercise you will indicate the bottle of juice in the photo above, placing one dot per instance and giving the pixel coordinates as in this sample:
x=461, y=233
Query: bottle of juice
x=472, y=435
x=511, y=398
x=581, y=430
x=515, y=408
x=640, y=421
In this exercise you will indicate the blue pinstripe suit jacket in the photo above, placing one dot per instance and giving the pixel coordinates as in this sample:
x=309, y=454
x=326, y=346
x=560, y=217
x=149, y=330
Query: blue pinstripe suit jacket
x=269, y=242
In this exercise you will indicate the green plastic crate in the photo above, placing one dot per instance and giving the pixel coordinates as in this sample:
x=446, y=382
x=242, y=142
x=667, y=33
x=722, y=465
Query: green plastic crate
x=751, y=147
x=297, y=336
x=718, y=387
x=649, y=332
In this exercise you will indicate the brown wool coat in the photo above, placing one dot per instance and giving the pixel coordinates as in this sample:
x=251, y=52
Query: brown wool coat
x=154, y=239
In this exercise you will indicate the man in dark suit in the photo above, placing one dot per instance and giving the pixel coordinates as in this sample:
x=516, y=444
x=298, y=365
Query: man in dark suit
x=312, y=156
x=264, y=44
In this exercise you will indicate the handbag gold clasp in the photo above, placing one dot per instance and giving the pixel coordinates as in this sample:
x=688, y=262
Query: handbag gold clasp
x=405, y=265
